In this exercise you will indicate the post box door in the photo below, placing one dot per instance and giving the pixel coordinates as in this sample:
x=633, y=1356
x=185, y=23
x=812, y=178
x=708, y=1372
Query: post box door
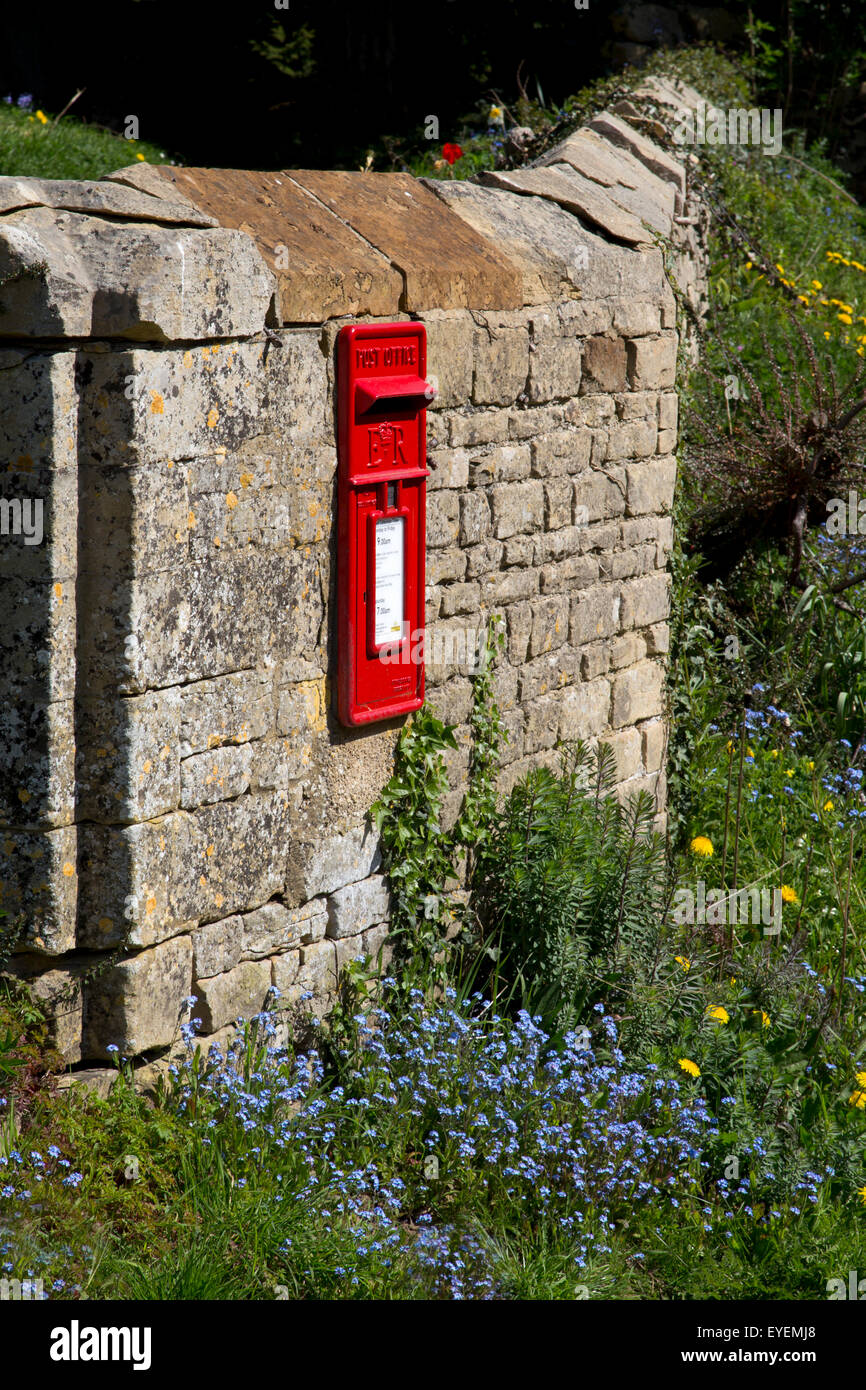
x=382, y=398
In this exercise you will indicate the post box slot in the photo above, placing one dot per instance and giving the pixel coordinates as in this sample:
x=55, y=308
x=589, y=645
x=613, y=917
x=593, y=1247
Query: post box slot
x=376, y=390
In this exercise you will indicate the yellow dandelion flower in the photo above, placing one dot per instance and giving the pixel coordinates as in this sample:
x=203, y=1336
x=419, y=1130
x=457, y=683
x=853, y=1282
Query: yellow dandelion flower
x=774, y=753
x=861, y=1193
x=826, y=334
x=788, y=894
x=702, y=846
x=803, y=298
x=789, y=772
x=860, y=1078
x=139, y=155
x=687, y=1065
x=684, y=962
x=811, y=765
x=828, y=806
x=748, y=265
x=765, y=1018
x=816, y=285
x=718, y=1013
x=844, y=318
x=41, y=116
x=858, y=1099
x=780, y=268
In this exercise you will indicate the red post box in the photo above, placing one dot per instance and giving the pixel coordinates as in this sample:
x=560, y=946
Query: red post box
x=381, y=535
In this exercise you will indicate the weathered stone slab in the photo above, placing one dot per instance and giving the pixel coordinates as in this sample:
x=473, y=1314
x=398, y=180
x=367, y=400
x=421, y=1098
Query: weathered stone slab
x=357, y=906
x=239, y=993
x=620, y=133
x=39, y=886
x=565, y=186
x=323, y=269
x=274, y=928
x=444, y=262
x=342, y=859
x=137, y=1003
x=65, y=274
x=629, y=183
x=217, y=947
x=81, y=195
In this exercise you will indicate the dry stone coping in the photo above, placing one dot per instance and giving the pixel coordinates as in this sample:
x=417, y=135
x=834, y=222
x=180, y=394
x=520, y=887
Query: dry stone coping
x=322, y=267
x=565, y=186
x=620, y=133
x=445, y=264
x=106, y=199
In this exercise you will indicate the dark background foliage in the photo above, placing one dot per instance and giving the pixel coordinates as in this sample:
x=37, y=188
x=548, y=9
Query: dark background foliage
x=318, y=83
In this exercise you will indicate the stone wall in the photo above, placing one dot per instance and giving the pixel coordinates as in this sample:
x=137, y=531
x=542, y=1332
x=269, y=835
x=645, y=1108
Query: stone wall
x=173, y=780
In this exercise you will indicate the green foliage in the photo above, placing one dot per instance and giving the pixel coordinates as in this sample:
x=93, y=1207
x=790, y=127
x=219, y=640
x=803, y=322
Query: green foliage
x=568, y=887
x=34, y=144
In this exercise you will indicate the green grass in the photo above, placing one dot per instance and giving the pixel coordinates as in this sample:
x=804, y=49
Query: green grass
x=32, y=145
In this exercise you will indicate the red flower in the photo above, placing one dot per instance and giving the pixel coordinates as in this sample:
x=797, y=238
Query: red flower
x=451, y=152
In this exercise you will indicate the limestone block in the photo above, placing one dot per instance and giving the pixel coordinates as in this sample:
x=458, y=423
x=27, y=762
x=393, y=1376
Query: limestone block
x=460, y=598
x=448, y=468
x=652, y=362
x=555, y=545
x=645, y=601
x=561, y=452
x=71, y=275
x=479, y=427
x=654, y=739
x=37, y=763
x=39, y=617
x=518, y=550
x=475, y=519
x=658, y=639
x=668, y=410
x=594, y=613
x=554, y=369
x=637, y=694
x=357, y=906
x=542, y=723
x=548, y=673
x=517, y=507
x=626, y=748
x=443, y=519
x=501, y=365
x=512, y=586
x=483, y=560
x=598, y=496
x=584, y=710
x=342, y=859
x=318, y=969
x=241, y=607
x=604, y=364
x=229, y=709
x=284, y=972
x=651, y=486
x=137, y=1003
x=39, y=886
x=217, y=947
x=558, y=496
x=549, y=624
x=275, y=928
x=221, y=774
x=127, y=760
x=626, y=650
x=450, y=335
x=575, y=572
x=634, y=440
x=506, y=463
x=239, y=993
